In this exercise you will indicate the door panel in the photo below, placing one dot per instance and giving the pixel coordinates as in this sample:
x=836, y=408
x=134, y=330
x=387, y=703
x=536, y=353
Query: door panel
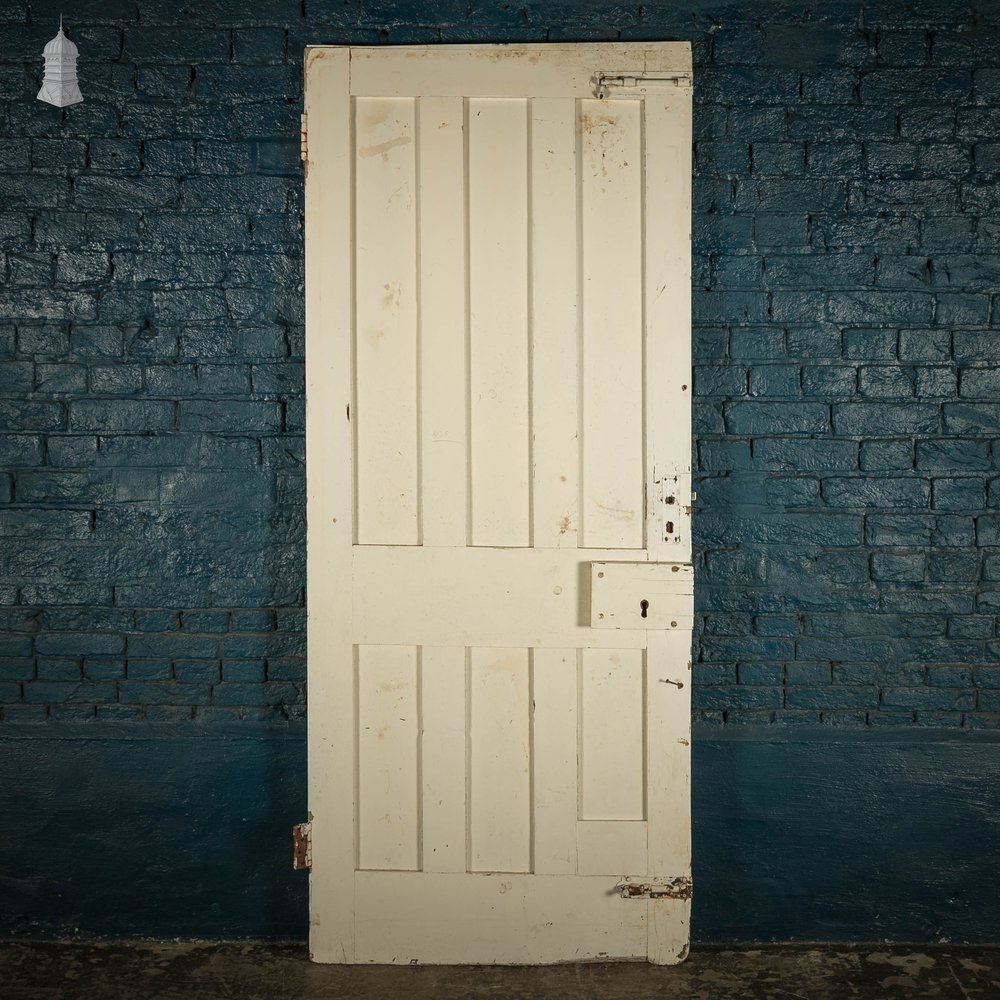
x=498, y=372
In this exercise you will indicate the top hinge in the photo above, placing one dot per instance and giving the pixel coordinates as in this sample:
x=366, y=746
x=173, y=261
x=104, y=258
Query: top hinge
x=637, y=84
x=304, y=139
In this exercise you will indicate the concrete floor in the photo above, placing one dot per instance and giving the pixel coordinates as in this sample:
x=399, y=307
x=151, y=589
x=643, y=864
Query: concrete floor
x=234, y=971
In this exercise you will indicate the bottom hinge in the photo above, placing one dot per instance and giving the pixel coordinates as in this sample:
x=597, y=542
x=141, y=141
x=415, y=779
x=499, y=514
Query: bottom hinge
x=655, y=888
x=302, y=856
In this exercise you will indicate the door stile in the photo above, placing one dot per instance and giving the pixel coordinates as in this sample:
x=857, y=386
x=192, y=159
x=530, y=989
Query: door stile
x=330, y=503
x=667, y=235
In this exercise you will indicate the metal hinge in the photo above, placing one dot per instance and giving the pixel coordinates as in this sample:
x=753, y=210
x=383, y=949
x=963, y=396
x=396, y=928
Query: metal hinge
x=637, y=84
x=302, y=857
x=304, y=139
x=656, y=888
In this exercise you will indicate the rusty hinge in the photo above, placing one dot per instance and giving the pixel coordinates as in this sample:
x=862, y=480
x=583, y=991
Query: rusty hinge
x=304, y=139
x=636, y=84
x=302, y=858
x=656, y=888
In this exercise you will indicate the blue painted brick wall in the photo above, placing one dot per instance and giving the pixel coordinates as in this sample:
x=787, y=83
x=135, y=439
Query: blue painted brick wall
x=846, y=299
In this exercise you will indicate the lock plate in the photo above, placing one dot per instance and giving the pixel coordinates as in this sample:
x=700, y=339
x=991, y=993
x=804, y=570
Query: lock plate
x=641, y=595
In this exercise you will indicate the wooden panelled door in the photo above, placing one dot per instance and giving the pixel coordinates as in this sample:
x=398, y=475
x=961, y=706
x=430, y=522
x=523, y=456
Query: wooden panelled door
x=498, y=448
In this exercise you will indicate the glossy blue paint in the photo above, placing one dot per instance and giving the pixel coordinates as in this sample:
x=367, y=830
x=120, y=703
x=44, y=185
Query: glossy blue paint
x=846, y=261
x=806, y=836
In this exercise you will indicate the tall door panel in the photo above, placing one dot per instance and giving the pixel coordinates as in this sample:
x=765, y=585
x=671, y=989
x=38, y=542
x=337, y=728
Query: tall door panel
x=498, y=442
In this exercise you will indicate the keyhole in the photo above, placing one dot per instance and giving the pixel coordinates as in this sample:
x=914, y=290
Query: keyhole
x=643, y=608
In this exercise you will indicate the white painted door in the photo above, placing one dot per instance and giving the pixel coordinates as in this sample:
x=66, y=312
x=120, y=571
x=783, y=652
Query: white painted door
x=498, y=446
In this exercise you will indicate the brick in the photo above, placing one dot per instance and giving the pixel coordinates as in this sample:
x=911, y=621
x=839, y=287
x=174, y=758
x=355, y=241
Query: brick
x=96, y=342
x=947, y=233
x=252, y=620
x=917, y=530
x=270, y=693
x=830, y=124
x=936, y=381
x=836, y=159
x=48, y=304
x=61, y=692
x=760, y=673
x=896, y=567
x=971, y=418
x=953, y=565
x=163, y=693
x=902, y=418
x=78, y=644
x=17, y=668
x=92, y=191
x=886, y=456
x=176, y=45
x=259, y=45
x=818, y=340
x=829, y=380
x=20, y=450
x=757, y=343
x=831, y=696
x=248, y=342
x=879, y=492
x=734, y=307
x=246, y=671
x=779, y=230
x=58, y=669
x=901, y=86
x=174, y=157
x=929, y=698
x=114, y=155
x=233, y=82
x=807, y=674
x=157, y=621
x=859, y=308
x=266, y=194
x=980, y=383
x=726, y=159
x=286, y=669
x=944, y=454
x=781, y=159
x=170, y=645
x=148, y=670
x=775, y=380
x=827, y=270
x=924, y=345
x=959, y=493
x=103, y=669
x=254, y=646
x=805, y=455
x=721, y=456
x=60, y=379
x=715, y=380
x=975, y=627
x=121, y=415
x=906, y=48
x=962, y=309
x=777, y=418
x=727, y=697
x=885, y=381
x=205, y=621
x=196, y=671
x=238, y=416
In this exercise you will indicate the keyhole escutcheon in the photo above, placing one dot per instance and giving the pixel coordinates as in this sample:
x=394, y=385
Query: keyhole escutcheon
x=643, y=608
